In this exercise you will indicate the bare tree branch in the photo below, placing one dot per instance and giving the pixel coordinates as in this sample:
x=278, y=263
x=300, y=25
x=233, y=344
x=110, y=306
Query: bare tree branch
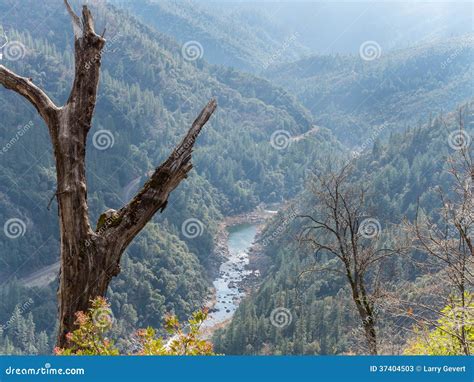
x=334, y=229
x=76, y=21
x=25, y=87
x=153, y=196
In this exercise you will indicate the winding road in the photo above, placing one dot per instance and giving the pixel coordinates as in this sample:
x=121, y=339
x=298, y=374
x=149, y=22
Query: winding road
x=41, y=277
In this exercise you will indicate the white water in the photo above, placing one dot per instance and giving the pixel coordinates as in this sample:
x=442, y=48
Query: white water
x=232, y=273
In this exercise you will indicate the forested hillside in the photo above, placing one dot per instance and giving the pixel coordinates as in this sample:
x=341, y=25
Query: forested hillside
x=148, y=97
x=360, y=96
x=239, y=37
x=281, y=124
x=300, y=310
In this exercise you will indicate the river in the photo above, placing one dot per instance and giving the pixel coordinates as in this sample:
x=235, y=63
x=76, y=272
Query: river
x=228, y=285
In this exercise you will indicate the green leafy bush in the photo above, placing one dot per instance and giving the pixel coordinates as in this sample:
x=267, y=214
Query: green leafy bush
x=453, y=333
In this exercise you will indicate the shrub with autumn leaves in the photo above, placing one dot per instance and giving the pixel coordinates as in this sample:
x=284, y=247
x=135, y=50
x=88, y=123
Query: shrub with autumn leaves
x=90, y=338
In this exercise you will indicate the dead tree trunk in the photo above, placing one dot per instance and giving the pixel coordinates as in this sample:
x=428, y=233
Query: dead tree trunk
x=90, y=258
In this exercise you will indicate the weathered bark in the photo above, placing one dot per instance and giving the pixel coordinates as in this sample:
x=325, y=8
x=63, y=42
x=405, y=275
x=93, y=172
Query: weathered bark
x=366, y=314
x=370, y=335
x=364, y=307
x=91, y=258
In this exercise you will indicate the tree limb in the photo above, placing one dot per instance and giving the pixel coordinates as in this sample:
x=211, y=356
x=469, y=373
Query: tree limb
x=76, y=21
x=131, y=218
x=23, y=86
x=87, y=59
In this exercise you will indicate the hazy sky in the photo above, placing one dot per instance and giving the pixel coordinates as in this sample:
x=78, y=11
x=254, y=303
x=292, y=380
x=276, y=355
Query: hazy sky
x=330, y=27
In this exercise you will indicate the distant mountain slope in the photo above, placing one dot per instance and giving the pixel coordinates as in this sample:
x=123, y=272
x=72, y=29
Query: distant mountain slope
x=356, y=97
x=238, y=37
x=316, y=312
x=332, y=27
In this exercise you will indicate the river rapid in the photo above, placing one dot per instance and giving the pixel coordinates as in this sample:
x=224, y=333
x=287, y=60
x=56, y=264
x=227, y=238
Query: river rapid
x=228, y=285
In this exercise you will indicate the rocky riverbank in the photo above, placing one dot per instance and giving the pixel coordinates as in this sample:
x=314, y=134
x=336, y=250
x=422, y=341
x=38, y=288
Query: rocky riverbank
x=236, y=276
x=257, y=217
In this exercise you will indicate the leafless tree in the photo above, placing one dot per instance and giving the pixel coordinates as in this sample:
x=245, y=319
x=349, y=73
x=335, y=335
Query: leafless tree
x=340, y=228
x=90, y=258
x=447, y=243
